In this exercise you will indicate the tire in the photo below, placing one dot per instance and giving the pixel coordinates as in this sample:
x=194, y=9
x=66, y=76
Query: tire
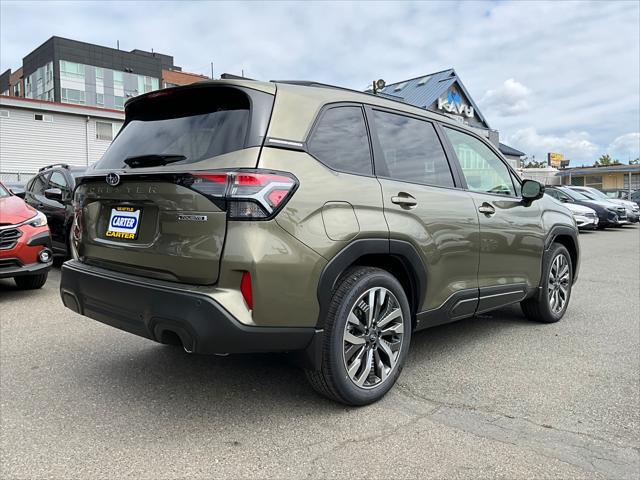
x=557, y=285
x=31, y=282
x=382, y=349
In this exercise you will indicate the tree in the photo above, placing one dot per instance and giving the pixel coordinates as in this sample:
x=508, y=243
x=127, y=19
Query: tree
x=534, y=164
x=605, y=161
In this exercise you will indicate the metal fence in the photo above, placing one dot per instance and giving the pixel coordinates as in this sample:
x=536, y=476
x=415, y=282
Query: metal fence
x=22, y=177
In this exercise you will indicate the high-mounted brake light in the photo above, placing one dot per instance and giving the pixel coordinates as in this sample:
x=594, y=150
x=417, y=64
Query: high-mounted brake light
x=247, y=194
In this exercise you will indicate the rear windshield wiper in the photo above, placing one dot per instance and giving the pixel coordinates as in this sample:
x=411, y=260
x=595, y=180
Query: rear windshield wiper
x=152, y=160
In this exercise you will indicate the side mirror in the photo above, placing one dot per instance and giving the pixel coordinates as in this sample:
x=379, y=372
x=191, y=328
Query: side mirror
x=53, y=194
x=532, y=190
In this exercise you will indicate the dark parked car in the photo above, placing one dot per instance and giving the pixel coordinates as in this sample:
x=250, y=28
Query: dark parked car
x=608, y=215
x=50, y=191
x=17, y=188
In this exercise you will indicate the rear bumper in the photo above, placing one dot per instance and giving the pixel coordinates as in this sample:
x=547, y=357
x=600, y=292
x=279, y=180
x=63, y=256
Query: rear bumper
x=150, y=309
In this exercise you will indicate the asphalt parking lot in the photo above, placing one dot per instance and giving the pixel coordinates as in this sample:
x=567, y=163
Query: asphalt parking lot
x=492, y=397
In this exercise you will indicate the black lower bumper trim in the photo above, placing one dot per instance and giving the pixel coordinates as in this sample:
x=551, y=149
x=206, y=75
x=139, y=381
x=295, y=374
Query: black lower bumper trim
x=19, y=270
x=152, y=309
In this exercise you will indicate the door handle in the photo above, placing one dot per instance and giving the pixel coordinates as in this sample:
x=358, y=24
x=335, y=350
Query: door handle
x=486, y=209
x=404, y=200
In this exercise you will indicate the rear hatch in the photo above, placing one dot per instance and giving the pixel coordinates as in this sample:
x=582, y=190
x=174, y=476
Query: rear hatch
x=154, y=205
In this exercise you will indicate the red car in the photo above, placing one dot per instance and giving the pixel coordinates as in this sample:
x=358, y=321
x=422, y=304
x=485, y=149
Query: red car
x=25, y=242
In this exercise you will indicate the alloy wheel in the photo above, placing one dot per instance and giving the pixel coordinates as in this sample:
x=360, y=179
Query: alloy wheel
x=373, y=336
x=559, y=283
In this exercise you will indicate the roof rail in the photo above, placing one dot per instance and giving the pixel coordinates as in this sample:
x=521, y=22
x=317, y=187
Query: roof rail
x=62, y=165
x=231, y=76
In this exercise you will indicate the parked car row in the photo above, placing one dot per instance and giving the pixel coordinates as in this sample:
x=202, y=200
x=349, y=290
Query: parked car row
x=593, y=209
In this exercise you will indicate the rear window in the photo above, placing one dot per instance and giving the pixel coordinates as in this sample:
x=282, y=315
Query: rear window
x=196, y=124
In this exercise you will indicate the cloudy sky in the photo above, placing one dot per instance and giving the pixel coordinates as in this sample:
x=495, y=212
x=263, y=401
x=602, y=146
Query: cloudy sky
x=561, y=76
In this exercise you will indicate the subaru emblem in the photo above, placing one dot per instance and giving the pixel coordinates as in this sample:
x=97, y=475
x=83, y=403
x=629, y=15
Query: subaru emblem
x=113, y=179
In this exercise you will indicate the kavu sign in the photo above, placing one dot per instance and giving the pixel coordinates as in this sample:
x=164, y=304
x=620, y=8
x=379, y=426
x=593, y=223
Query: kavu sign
x=123, y=223
x=453, y=104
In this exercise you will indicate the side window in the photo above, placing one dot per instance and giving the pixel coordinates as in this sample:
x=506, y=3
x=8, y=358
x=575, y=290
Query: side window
x=412, y=150
x=340, y=141
x=483, y=169
x=57, y=180
x=517, y=183
x=38, y=185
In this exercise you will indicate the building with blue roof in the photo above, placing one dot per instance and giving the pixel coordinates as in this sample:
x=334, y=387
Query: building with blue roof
x=444, y=92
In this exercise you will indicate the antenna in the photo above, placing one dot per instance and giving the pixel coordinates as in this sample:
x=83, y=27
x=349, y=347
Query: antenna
x=118, y=44
x=211, y=70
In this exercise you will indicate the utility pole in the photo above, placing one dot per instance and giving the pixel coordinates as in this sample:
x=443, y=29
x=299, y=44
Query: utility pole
x=211, y=70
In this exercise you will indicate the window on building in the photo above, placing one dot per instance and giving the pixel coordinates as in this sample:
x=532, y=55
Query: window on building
x=340, y=141
x=635, y=181
x=99, y=73
x=118, y=78
x=400, y=86
x=42, y=117
x=594, y=181
x=104, y=131
x=412, y=150
x=118, y=102
x=484, y=170
x=16, y=90
x=100, y=98
x=4, y=113
x=70, y=95
x=71, y=69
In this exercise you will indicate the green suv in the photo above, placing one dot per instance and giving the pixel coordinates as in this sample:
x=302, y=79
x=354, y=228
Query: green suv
x=236, y=216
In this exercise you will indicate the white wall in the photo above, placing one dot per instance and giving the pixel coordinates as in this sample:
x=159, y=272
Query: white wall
x=27, y=144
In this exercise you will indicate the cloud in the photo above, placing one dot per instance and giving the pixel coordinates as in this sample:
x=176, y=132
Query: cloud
x=625, y=147
x=575, y=146
x=510, y=98
x=565, y=69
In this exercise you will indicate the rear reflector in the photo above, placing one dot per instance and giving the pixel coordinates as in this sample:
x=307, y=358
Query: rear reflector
x=245, y=288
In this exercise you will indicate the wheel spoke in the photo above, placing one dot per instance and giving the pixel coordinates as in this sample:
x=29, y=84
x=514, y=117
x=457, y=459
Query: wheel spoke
x=372, y=307
x=397, y=313
x=356, y=364
x=351, y=351
x=353, y=319
x=364, y=374
x=380, y=369
x=394, y=329
x=386, y=349
x=352, y=339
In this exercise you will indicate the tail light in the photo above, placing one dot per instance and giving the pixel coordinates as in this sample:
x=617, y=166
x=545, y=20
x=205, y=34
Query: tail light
x=246, y=194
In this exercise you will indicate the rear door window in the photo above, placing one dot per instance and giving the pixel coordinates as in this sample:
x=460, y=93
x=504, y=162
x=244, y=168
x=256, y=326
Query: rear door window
x=340, y=140
x=38, y=185
x=196, y=125
x=411, y=149
x=58, y=180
